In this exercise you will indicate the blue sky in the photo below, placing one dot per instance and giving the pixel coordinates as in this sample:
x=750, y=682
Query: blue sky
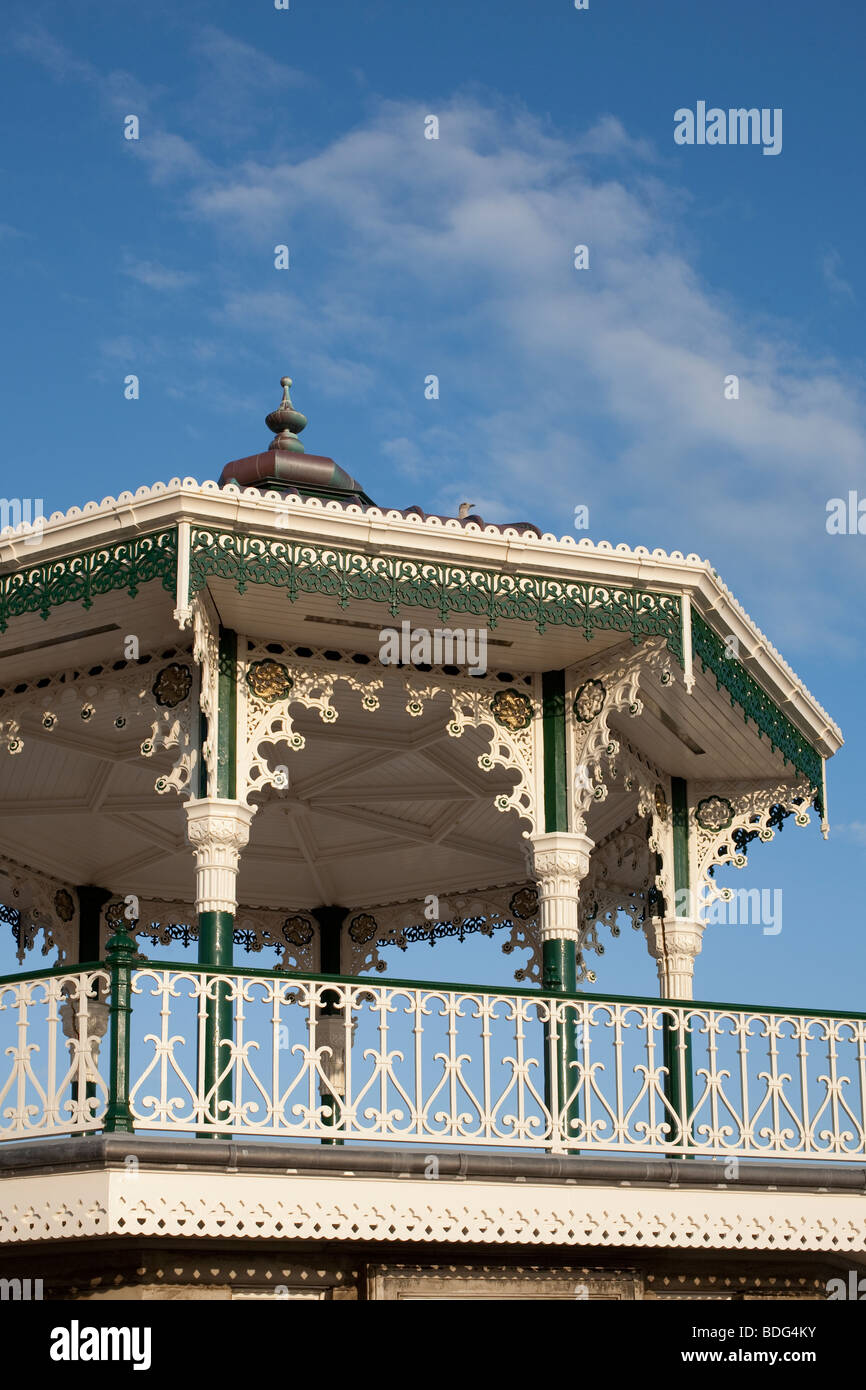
x=409, y=257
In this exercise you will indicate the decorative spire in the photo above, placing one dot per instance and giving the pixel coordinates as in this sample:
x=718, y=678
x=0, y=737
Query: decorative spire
x=286, y=422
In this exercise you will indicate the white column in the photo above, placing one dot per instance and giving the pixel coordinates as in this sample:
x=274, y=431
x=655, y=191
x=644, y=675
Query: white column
x=674, y=942
x=559, y=861
x=218, y=830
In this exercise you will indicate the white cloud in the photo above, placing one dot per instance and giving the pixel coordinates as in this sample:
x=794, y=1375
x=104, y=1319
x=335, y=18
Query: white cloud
x=158, y=277
x=854, y=830
x=602, y=387
x=475, y=234
x=609, y=138
x=836, y=283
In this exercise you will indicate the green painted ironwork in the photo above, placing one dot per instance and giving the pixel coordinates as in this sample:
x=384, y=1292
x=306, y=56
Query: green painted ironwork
x=733, y=1018
x=462, y=987
x=202, y=764
x=215, y=951
x=677, y=1042
x=216, y=929
x=755, y=703
x=307, y=567
x=91, y=901
x=553, y=730
x=680, y=827
x=226, y=776
x=559, y=977
x=82, y=577
x=558, y=958
x=330, y=921
x=120, y=953
x=301, y=567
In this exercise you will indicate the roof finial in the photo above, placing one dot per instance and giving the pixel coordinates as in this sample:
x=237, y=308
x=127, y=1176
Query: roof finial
x=286, y=422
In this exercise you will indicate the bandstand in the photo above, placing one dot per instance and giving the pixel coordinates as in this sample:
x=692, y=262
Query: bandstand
x=259, y=738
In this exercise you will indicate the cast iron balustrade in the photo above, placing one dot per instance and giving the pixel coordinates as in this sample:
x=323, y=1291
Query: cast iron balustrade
x=403, y=1062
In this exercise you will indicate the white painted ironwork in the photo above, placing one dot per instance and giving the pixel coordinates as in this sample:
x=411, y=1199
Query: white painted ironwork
x=50, y=1029
x=376, y=927
x=426, y=1064
x=163, y=922
x=43, y=904
x=111, y=701
x=741, y=807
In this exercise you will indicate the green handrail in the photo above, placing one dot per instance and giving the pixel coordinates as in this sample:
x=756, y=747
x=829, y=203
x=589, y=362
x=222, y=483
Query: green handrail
x=459, y=987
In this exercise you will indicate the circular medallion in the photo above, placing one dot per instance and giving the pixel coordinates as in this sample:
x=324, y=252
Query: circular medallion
x=589, y=701
x=524, y=903
x=172, y=685
x=661, y=802
x=298, y=931
x=512, y=709
x=269, y=681
x=714, y=813
x=363, y=928
x=63, y=905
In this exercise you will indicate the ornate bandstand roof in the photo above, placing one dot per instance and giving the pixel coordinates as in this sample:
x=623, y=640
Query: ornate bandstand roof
x=105, y=612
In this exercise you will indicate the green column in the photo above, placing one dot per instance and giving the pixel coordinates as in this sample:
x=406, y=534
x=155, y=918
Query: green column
x=330, y=920
x=679, y=1087
x=227, y=718
x=216, y=948
x=91, y=901
x=555, y=759
x=120, y=953
x=216, y=929
x=558, y=958
x=680, y=823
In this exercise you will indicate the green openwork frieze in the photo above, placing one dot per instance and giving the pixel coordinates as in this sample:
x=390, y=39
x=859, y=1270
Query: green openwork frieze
x=438, y=586
x=80, y=578
x=755, y=703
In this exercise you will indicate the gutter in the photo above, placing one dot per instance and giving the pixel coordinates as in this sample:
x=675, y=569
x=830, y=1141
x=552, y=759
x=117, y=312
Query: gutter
x=159, y=1152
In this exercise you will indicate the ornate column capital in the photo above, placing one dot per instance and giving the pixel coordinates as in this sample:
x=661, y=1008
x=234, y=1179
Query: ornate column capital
x=217, y=829
x=559, y=861
x=674, y=942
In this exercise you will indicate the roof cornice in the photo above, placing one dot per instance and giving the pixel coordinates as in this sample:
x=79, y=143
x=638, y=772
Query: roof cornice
x=390, y=531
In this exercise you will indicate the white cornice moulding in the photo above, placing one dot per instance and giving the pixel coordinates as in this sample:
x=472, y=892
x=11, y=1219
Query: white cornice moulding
x=130, y=1204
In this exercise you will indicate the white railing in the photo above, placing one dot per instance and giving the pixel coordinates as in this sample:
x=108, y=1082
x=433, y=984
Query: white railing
x=50, y=1029
x=410, y=1063
x=413, y=1063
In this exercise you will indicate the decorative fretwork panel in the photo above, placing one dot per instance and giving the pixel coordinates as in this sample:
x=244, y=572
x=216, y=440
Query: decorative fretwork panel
x=620, y=883
x=271, y=678
x=307, y=567
x=512, y=907
x=715, y=656
x=507, y=717
x=156, y=694
x=35, y=902
x=634, y=773
x=726, y=817
x=124, y=565
x=292, y=934
x=606, y=685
